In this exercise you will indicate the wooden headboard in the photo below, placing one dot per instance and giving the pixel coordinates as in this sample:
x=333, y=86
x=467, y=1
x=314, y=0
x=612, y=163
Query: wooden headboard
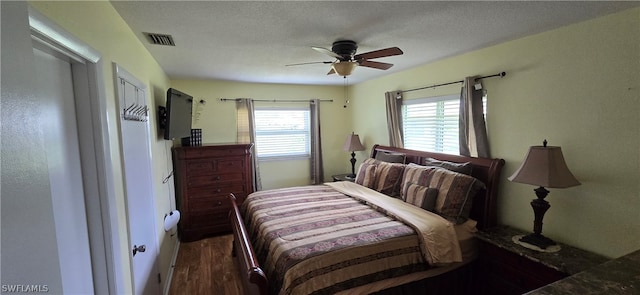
x=488, y=171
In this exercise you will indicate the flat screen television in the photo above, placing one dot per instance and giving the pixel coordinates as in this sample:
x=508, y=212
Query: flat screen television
x=177, y=115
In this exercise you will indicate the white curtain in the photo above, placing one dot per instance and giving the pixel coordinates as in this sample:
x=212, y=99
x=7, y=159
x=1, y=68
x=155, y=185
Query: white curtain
x=472, y=127
x=247, y=134
x=394, y=117
x=317, y=171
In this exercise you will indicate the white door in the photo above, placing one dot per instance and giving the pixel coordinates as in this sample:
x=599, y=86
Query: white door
x=134, y=128
x=54, y=83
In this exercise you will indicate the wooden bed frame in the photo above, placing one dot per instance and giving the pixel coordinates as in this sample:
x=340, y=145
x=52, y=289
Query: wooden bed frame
x=484, y=211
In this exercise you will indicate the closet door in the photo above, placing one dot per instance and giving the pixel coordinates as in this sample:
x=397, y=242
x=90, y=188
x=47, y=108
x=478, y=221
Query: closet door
x=136, y=152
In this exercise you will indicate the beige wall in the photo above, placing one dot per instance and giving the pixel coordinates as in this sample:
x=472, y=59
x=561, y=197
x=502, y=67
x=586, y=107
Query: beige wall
x=99, y=25
x=578, y=87
x=218, y=122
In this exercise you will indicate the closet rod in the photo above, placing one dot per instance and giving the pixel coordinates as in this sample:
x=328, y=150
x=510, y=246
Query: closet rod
x=274, y=100
x=501, y=74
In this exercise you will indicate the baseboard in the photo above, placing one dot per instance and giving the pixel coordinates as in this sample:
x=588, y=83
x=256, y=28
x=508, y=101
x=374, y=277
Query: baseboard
x=167, y=283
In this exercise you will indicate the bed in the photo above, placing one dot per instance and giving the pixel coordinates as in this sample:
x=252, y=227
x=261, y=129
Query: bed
x=407, y=221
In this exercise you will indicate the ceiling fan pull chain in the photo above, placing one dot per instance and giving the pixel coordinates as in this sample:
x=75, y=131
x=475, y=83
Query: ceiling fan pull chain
x=346, y=98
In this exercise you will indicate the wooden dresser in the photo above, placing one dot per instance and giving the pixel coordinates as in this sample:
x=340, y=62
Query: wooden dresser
x=204, y=177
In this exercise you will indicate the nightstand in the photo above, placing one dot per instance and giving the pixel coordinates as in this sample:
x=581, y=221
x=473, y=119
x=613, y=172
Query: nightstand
x=343, y=177
x=504, y=267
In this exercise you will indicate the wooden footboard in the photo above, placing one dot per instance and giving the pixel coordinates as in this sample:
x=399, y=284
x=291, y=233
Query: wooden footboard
x=254, y=280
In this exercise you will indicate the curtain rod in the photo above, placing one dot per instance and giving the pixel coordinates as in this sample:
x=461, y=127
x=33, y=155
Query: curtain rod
x=274, y=100
x=501, y=74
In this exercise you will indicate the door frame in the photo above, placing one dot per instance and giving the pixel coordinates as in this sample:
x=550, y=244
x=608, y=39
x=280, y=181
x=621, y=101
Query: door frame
x=107, y=261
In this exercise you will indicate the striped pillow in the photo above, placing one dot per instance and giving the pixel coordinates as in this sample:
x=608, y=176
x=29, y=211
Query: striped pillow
x=366, y=175
x=388, y=177
x=421, y=196
x=415, y=174
x=455, y=190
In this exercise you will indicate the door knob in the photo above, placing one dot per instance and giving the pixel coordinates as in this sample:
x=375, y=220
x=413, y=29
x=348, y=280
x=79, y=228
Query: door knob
x=137, y=249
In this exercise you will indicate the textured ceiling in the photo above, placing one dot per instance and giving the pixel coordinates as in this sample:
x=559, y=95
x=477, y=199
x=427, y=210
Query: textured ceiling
x=252, y=41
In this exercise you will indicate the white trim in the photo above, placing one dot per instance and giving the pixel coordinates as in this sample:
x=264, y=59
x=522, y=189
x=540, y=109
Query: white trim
x=103, y=216
x=121, y=72
x=172, y=267
x=45, y=27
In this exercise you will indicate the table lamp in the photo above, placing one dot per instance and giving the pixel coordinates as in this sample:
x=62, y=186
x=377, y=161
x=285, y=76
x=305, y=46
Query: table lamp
x=543, y=166
x=353, y=144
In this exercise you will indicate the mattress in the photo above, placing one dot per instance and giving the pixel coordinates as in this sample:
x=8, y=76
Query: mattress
x=340, y=236
x=468, y=247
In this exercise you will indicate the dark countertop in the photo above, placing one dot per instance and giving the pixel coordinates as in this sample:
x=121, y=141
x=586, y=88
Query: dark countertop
x=617, y=276
x=568, y=260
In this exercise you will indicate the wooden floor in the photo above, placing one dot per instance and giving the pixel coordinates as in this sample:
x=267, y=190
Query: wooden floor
x=206, y=267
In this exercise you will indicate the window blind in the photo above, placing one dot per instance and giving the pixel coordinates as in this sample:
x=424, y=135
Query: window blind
x=282, y=133
x=431, y=124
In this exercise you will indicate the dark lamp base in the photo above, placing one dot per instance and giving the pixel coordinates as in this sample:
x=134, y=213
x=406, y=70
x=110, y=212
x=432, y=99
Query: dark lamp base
x=538, y=240
x=351, y=176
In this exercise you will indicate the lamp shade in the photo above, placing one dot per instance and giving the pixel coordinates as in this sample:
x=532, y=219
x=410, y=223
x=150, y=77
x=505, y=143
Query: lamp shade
x=344, y=68
x=544, y=166
x=352, y=143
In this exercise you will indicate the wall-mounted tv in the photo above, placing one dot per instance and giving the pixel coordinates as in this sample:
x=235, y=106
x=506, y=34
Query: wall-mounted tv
x=175, y=118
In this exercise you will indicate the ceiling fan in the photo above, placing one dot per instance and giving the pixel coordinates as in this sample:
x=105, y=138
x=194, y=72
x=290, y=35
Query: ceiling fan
x=347, y=60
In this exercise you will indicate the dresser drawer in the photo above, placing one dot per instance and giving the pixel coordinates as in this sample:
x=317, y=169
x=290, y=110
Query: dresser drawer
x=211, y=152
x=212, y=203
x=231, y=165
x=209, y=204
x=221, y=190
x=208, y=166
x=214, y=179
x=210, y=218
x=202, y=166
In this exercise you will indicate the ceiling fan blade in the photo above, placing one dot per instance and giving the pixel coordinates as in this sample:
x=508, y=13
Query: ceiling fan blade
x=391, y=51
x=375, y=64
x=327, y=52
x=309, y=63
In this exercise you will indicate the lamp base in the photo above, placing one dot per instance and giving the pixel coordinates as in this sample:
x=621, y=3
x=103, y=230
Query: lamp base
x=550, y=249
x=537, y=240
x=353, y=164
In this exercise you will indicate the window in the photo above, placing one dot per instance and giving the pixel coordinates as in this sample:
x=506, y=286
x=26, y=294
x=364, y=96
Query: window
x=431, y=124
x=282, y=132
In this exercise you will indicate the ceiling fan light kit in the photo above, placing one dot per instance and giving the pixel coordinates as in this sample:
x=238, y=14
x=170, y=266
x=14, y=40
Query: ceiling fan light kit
x=344, y=68
x=344, y=51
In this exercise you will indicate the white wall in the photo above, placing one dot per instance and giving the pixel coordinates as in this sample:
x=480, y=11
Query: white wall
x=29, y=248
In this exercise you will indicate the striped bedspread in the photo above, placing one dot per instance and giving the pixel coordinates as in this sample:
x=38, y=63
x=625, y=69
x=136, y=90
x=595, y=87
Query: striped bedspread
x=317, y=240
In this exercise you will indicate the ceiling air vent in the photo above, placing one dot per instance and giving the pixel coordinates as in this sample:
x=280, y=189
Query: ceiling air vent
x=160, y=39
